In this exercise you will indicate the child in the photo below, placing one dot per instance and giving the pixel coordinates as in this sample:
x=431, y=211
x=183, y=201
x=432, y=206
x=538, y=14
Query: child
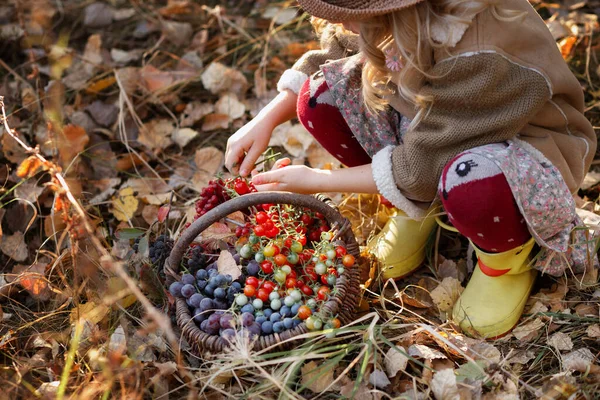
x=462, y=101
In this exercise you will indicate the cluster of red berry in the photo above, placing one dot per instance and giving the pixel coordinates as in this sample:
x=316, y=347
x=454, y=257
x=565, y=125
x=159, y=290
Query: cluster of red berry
x=219, y=191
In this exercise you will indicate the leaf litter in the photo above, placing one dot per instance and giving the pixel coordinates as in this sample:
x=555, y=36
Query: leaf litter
x=139, y=126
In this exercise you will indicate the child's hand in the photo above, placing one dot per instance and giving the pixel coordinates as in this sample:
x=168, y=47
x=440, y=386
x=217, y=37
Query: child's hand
x=290, y=178
x=247, y=144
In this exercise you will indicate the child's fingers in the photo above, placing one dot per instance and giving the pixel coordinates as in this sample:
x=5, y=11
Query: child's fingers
x=273, y=176
x=250, y=160
x=233, y=157
x=282, y=162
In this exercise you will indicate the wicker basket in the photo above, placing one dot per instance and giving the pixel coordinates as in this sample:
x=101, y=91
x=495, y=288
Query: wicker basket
x=342, y=304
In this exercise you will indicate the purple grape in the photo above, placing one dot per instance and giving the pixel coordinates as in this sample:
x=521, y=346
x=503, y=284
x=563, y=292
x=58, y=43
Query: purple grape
x=267, y=327
x=188, y=290
x=254, y=329
x=213, y=326
x=188, y=279
x=260, y=319
x=267, y=312
x=237, y=258
x=220, y=293
x=212, y=270
x=209, y=290
x=220, y=304
x=203, y=325
x=199, y=315
x=201, y=284
x=295, y=308
x=252, y=268
x=195, y=300
x=228, y=334
x=296, y=322
x=237, y=286
x=221, y=280
x=226, y=321
x=288, y=323
x=278, y=327
x=285, y=311
x=247, y=319
x=206, y=304
x=175, y=289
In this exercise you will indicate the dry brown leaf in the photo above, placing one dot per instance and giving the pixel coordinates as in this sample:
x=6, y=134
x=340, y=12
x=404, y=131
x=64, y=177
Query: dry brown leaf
x=118, y=342
x=11, y=149
x=32, y=278
x=151, y=190
x=183, y=136
x=561, y=341
x=209, y=159
x=447, y=293
x=521, y=357
x=215, y=233
x=125, y=204
x=593, y=331
x=150, y=213
x=106, y=188
x=586, y=309
x=14, y=246
x=578, y=360
x=528, y=331
x=379, y=379
x=215, y=121
x=194, y=112
x=72, y=142
x=537, y=307
x=295, y=139
x=320, y=158
x=315, y=378
x=156, y=80
x=226, y=265
x=156, y=134
x=103, y=114
x=129, y=78
x=443, y=385
x=98, y=15
x=422, y=351
x=229, y=105
x=218, y=78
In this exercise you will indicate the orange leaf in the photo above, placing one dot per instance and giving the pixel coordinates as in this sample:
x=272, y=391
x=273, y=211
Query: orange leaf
x=73, y=141
x=566, y=46
x=100, y=85
x=29, y=167
x=162, y=213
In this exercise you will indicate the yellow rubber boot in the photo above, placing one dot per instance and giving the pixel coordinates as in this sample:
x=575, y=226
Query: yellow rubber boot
x=495, y=297
x=400, y=246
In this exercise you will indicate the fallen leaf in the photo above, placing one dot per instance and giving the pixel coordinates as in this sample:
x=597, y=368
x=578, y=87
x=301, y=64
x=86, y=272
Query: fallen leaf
x=178, y=33
x=48, y=390
x=14, y=246
x=379, y=379
x=29, y=167
x=320, y=158
x=593, y=331
x=123, y=57
x=362, y=392
x=521, y=357
x=209, y=159
x=226, y=265
x=103, y=114
x=314, y=378
x=28, y=191
x=229, y=105
x=528, y=331
x=447, y=293
x=586, y=309
x=280, y=15
x=151, y=190
x=578, y=360
x=89, y=311
x=125, y=204
x=422, y=351
x=156, y=134
x=294, y=138
x=106, y=188
x=72, y=142
x=566, y=46
x=443, y=385
x=98, y=15
x=118, y=342
x=215, y=233
x=92, y=54
x=156, y=80
x=218, y=78
x=561, y=341
x=537, y=307
x=395, y=361
x=12, y=150
x=117, y=290
x=470, y=372
x=194, y=112
x=163, y=212
x=32, y=278
x=215, y=121
x=591, y=179
x=129, y=79
x=183, y=136
x=124, y=13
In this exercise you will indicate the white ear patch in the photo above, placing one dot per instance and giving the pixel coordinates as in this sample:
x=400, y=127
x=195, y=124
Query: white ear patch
x=467, y=167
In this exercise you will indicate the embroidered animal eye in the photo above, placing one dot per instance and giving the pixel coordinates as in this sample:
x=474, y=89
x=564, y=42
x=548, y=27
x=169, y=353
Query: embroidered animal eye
x=464, y=168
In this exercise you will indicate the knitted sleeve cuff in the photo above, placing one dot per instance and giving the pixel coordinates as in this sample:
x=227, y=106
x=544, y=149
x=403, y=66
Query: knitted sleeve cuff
x=384, y=179
x=291, y=80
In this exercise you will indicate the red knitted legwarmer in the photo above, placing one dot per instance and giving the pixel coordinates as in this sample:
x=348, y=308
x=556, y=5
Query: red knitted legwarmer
x=480, y=203
x=319, y=114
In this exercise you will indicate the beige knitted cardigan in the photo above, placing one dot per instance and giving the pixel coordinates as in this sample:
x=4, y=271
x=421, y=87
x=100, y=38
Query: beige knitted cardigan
x=501, y=80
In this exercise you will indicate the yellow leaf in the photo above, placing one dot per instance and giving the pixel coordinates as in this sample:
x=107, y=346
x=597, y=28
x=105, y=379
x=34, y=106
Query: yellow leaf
x=316, y=378
x=125, y=204
x=89, y=311
x=100, y=85
x=116, y=287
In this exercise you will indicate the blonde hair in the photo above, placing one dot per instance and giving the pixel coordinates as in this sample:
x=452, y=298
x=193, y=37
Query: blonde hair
x=408, y=31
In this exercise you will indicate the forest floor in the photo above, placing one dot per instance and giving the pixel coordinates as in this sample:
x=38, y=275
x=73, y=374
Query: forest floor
x=120, y=112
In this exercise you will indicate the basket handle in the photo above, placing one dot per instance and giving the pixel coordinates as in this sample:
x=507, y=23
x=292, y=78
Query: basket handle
x=316, y=203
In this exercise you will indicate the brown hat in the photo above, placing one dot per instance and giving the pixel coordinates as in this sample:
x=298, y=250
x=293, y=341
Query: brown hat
x=344, y=10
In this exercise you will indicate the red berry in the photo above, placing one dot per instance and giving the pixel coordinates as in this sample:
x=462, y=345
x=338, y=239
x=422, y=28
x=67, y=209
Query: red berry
x=340, y=251
x=268, y=225
x=263, y=294
x=252, y=281
x=291, y=283
x=306, y=219
x=267, y=267
x=238, y=231
x=261, y=217
x=307, y=290
x=292, y=274
x=348, y=260
x=266, y=206
x=288, y=243
x=280, y=259
x=259, y=230
x=249, y=290
x=304, y=312
x=302, y=240
x=323, y=293
x=271, y=233
x=241, y=187
x=324, y=279
x=269, y=286
x=314, y=236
